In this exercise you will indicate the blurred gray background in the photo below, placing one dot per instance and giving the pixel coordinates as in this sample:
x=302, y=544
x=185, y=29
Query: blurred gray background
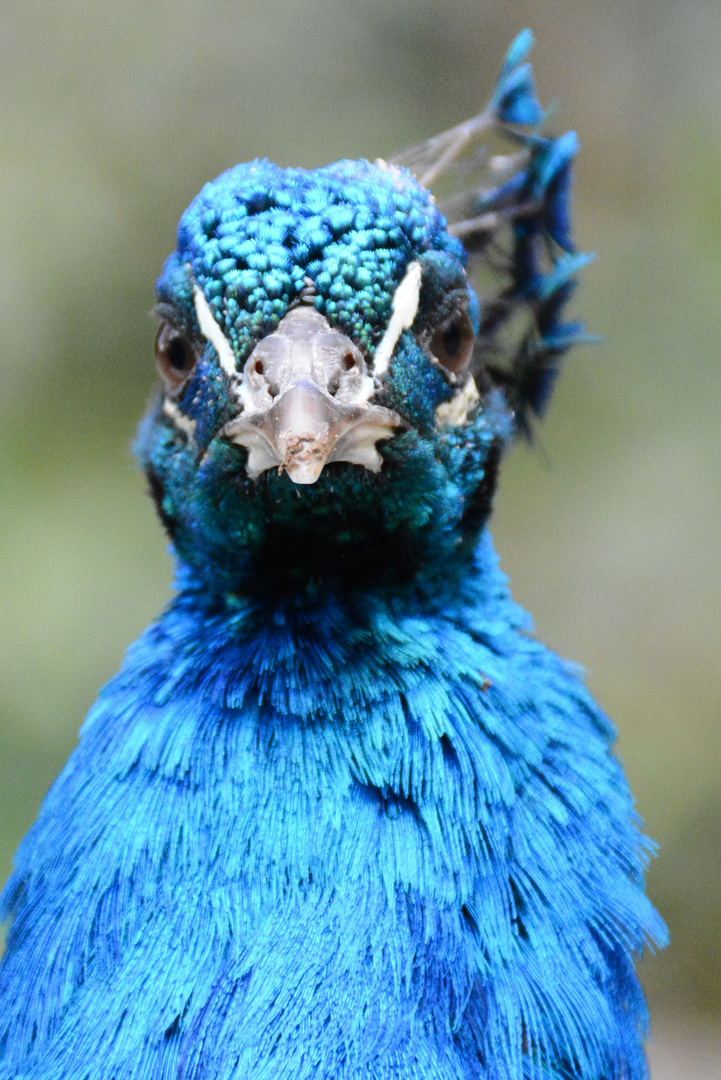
x=113, y=115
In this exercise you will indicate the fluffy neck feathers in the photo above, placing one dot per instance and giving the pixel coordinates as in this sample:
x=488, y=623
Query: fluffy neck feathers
x=368, y=796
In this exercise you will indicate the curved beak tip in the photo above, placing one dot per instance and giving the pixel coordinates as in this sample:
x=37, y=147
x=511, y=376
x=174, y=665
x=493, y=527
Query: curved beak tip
x=303, y=458
x=302, y=473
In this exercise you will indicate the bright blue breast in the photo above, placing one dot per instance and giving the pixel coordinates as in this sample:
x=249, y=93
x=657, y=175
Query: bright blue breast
x=306, y=824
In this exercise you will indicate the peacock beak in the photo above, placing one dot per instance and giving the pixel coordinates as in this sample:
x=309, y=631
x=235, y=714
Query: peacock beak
x=305, y=393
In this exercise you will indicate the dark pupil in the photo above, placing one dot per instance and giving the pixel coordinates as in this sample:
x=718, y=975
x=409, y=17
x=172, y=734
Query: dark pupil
x=452, y=339
x=177, y=353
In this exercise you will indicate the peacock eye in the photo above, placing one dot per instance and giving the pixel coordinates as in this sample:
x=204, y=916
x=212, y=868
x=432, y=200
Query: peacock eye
x=452, y=343
x=174, y=356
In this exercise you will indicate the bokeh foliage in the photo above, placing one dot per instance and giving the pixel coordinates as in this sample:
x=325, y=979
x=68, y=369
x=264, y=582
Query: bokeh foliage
x=114, y=115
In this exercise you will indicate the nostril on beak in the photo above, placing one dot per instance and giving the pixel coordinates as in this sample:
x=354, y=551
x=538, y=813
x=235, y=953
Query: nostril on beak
x=348, y=363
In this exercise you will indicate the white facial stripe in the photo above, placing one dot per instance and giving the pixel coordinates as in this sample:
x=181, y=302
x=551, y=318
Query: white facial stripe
x=212, y=332
x=405, y=306
x=455, y=412
x=182, y=422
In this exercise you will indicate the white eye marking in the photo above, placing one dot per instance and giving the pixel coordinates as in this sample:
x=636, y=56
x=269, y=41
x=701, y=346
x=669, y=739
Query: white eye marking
x=182, y=422
x=455, y=412
x=405, y=306
x=212, y=333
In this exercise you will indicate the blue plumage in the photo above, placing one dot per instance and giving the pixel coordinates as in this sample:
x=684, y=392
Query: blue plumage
x=340, y=815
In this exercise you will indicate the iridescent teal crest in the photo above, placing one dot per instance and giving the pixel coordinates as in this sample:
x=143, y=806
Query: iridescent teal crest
x=252, y=237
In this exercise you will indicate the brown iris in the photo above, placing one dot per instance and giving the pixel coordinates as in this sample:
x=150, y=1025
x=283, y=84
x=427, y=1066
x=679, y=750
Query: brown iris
x=174, y=355
x=452, y=343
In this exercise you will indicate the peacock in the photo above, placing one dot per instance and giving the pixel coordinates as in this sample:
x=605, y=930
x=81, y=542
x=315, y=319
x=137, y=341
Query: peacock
x=340, y=814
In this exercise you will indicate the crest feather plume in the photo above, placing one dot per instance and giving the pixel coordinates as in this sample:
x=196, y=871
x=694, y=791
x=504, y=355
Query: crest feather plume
x=504, y=187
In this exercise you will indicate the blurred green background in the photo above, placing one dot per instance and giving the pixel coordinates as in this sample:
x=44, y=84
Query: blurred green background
x=113, y=115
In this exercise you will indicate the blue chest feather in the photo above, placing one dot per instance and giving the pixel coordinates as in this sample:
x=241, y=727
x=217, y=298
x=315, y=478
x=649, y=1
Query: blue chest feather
x=397, y=838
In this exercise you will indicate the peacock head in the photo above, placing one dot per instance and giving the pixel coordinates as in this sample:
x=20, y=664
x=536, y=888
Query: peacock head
x=331, y=403
x=318, y=405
